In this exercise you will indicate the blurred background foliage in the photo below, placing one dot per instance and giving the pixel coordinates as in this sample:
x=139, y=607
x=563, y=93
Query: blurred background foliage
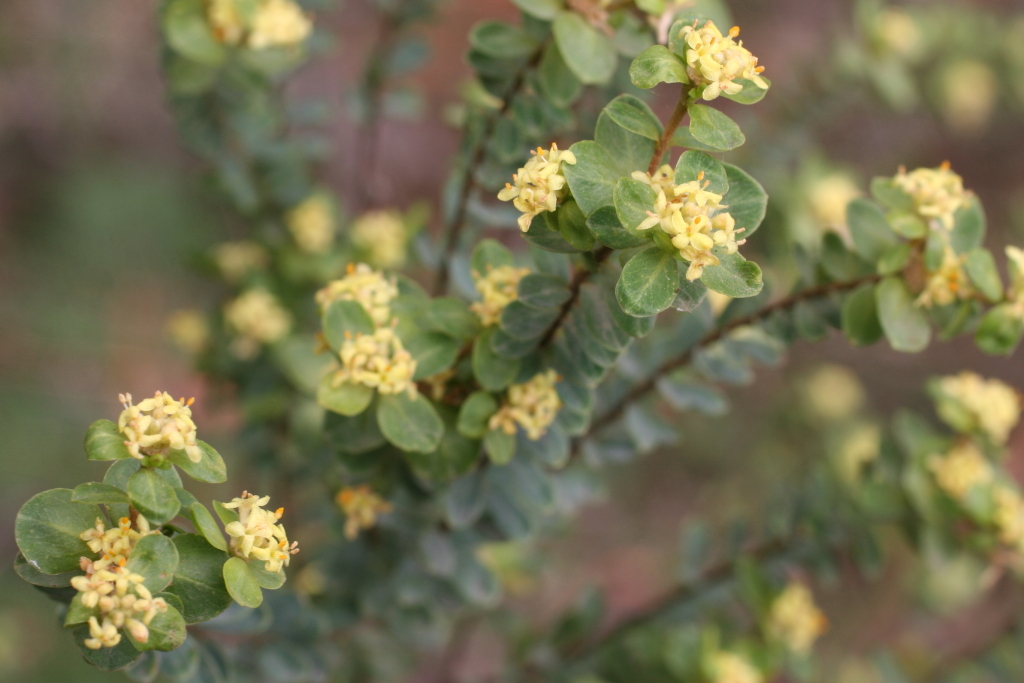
x=103, y=216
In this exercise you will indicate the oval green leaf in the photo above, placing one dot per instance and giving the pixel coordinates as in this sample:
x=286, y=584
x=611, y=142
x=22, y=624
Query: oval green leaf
x=412, y=424
x=345, y=399
x=210, y=468
x=104, y=441
x=241, y=583
x=198, y=581
x=153, y=496
x=714, y=129
x=47, y=531
x=904, y=324
x=207, y=526
x=648, y=283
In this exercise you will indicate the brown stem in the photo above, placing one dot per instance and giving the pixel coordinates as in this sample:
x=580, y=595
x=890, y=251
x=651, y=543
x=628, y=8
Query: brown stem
x=670, y=129
x=578, y=278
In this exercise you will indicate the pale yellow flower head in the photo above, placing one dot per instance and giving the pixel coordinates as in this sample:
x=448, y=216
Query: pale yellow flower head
x=937, y=193
x=1009, y=517
x=382, y=237
x=899, y=33
x=714, y=61
x=828, y=197
x=158, y=425
x=189, y=330
x=533, y=405
x=948, y=284
x=377, y=360
x=539, y=185
x=960, y=470
x=278, y=23
x=694, y=218
x=368, y=287
x=971, y=403
x=969, y=92
x=858, y=447
x=833, y=392
x=361, y=507
x=257, y=535
x=311, y=224
x=730, y=667
x=226, y=20
x=257, y=318
x=795, y=621
x=498, y=288
x=236, y=260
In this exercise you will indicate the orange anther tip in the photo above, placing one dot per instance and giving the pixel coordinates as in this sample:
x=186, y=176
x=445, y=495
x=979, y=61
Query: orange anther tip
x=279, y=511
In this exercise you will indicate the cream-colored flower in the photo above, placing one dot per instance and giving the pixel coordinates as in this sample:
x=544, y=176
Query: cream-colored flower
x=794, y=619
x=257, y=535
x=539, y=185
x=730, y=667
x=858, y=447
x=899, y=33
x=236, y=260
x=695, y=219
x=948, y=284
x=257, y=318
x=367, y=287
x=189, y=330
x=832, y=392
x=937, y=193
x=1009, y=516
x=662, y=180
x=377, y=360
x=829, y=197
x=960, y=470
x=158, y=425
x=970, y=403
x=226, y=20
x=311, y=224
x=439, y=383
x=714, y=61
x=498, y=288
x=382, y=237
x=278, y=23
x=361, y=507
x=969, y=92
x=533, y=405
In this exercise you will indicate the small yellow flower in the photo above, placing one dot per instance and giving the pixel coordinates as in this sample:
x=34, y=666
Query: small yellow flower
x=367, y=287
x=533, y=405
x=189, y=331
x=970, y=403
x=382, y=236
x=795, y=620
x=499, y=288
x=377, y=360
x=859, y=446
x=226, y=21
x=937, y=193
x=899, y=33
x=236, y=260
x=832, y=393
x=311, y=224
x=829, y=197
x=539, y=185
x=158, y=425
x=257, y=535
x=948, y=284
x=730, y=667
x=960, y=470
x=361, y=507
x=257, y=318
x=278, y=23
x=714, y=61
x=969, y=92
x=1009, y=517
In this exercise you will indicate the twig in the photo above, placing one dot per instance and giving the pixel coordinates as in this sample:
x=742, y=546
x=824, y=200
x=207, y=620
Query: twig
x=670, y=129
x=578, y=278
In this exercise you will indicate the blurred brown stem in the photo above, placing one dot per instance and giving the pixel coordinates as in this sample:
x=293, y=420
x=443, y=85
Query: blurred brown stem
x=670, y=129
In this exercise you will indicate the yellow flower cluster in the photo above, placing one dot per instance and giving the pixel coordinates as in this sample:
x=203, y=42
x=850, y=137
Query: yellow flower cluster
x=367, y=287
x=257, y=535
x=729, y=667
x=235, y=260
x=829, y=197
x=859, y=446
x=969, y=403
x=960, y=470
x=499, y=288
x=311, y=224
x=271, y=23
x=377, y=360
x=533, y=405
x=382, y=236
x=794, y=619
x=1009, y=517
x=119, y=595
x=694, y=219
x=714, y=61
x=189, y=330
x=937, y=193
x=899, y=33
x=361, y=507
x=257, y=318
x=539, y=185
x=158, y=425
x=948, y=284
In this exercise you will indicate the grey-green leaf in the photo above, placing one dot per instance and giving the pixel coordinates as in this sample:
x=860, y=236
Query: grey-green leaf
x=714, y=129
x=609, y=231
x=746, y=199
x=475, y=413
x=210, y=468
x=541, y=290
x=703, y=167
x=98, y=494
x=869, y=229
x=981, y=268
x=634, y=115
x=345, y=399
x=343, y=320
x=207, y=526
x=648, y=283
x=106, y=658
x=734, y=276
x=860, y=316
x=905, y=326
x=657, y=65
x=154, y=557
x=153, y=496
x=166, y=632
x=103, y=441
x=434, y=352
x=492, y=371
x=47, y=529
x=592, y=178
x=241, y=583
x=490, y=254
x=588, y=52
x=198, y=581
x=412, y=424
x=557, y=81
x=500, y=447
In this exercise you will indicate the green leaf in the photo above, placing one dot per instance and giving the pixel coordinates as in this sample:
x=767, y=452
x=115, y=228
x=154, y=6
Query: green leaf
x=690, y=295
x=346, y=398
x=227, y=515
x=500, y=447
x=492, y=371
x=434, y=352
x=905, y=325
x=344, y=320
x=103, y=441
x=542, y=9
x=633, y=199
x=153, y=496
x=490, y=254
x=188, y=32
x=894, y=258
x=981, y=268
x=210, y=468
x=356, y=434
x=558, y=83
x=634, y=115
x=241, y=583
x=502, y=41
x=588, y=52
x=30, y=573
x=166, y=632
x=648, y=283
x=475, y=413
x=657, y=65
x=453, y=317
x=751, y=93
x=860, y=316
x=1000, y=331
x=746, y=199
x=628, y=151
x=969, y=227
x=714, y=129
x=606, y=227
x=541, y=290
x=526, y=323
x=869, y=229
x=637, y=327
x=206, y=526
x=544, y=233
x=734, y=276
x=692, y=164
x=572, y=224
x=888, y=194
x=465, y=499
x=455, y=456
x=683, y=138
x=198, y=581
x=98, y=494
x=78, y=613
x=412, y=424
x=106, y=658
x=592, y=178
x=156, y=558
x=47, y=529
x=908, y=224
x=269, y=580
